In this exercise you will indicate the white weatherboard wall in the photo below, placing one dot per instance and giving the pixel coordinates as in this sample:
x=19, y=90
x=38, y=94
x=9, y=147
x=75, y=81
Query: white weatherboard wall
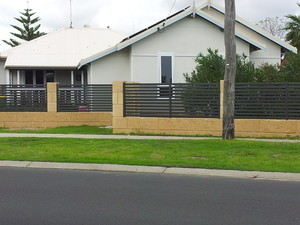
x=184, y=39
x=110, y=68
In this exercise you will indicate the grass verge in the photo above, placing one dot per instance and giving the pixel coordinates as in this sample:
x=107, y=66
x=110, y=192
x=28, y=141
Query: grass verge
x=211, y=154
x=63, y=130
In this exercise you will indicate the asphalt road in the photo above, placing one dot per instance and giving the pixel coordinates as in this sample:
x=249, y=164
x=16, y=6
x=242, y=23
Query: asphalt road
x=64, y=197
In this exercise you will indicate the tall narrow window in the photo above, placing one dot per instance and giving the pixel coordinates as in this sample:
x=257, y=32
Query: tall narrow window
x=166, y=74
x=166, y=69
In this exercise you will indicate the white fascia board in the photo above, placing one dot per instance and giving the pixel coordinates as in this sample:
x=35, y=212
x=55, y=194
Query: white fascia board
x=25, y=67
x=255, y=28
x=243, y=37
x=252, y=42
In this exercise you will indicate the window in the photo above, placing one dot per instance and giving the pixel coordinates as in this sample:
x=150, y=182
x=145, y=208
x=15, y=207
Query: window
x=166, y=74
x=166, y=69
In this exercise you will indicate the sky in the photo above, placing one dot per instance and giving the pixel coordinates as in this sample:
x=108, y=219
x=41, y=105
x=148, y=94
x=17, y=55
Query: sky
x=125, y=16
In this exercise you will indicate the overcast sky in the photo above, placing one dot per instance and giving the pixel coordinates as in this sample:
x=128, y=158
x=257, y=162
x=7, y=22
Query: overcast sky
x=126, y=16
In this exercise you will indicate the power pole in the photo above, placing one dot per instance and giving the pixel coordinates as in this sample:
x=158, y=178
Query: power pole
x=230, y=71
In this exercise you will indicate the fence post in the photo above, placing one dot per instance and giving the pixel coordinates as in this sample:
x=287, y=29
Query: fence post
x=52, y=97
x=118, y=104
x=221, y=98
x=170, y=100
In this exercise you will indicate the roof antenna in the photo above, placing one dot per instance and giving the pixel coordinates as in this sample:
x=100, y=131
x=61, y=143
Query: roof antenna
x=194, y=8
x=71, y=22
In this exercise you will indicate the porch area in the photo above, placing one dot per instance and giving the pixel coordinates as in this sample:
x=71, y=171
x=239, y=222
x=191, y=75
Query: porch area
x=43, y=76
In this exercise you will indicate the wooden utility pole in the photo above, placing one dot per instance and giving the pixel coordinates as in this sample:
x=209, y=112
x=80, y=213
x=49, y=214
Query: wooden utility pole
x=230, y=70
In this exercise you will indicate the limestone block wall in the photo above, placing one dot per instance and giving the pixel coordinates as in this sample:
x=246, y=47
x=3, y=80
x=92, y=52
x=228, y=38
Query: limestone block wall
x=267, y=128
x=152, y=125
x=52, y=118
x=197, y=126
x=19, y=120
x=171, y=126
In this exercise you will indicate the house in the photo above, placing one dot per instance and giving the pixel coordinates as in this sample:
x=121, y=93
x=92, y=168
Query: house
x=55, y=56
x=160, y=53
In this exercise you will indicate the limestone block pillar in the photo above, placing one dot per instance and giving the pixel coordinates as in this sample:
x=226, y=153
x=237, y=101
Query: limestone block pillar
x=118, y=107
x=52, y=97
x=120, y=123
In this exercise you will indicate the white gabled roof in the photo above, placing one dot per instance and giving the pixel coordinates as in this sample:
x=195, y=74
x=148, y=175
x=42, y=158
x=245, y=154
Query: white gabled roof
x=61, y=49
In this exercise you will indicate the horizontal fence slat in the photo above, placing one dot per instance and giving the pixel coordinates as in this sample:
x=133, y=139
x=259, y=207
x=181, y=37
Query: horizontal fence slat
x=85, y=98
x=267, y=100
x=172, y=100
x=23, y=98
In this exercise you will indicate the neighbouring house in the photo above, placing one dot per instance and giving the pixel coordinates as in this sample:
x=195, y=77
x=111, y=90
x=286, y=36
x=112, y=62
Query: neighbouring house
x=160, y=53
x=55, y=57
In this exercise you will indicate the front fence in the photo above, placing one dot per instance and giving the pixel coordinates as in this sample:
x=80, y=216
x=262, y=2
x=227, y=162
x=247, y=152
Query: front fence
x=200, y=100
x=267, y=100
x=85, y=98
x=23, y=98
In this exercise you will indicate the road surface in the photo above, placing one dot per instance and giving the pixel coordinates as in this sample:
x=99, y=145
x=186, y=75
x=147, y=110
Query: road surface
x=66, y=197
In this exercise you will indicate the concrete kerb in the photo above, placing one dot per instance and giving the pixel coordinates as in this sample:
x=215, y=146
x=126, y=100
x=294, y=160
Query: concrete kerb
x=154, y=170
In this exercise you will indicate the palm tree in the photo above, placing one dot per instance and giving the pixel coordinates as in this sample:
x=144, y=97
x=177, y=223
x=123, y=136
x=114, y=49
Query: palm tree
x=293, y=29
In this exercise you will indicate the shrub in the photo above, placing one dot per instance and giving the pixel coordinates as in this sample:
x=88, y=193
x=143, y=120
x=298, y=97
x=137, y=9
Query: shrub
x=269, y=73
x=210, y=68
x=291, y=70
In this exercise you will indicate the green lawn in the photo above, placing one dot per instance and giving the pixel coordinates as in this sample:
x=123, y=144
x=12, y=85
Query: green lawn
x=215, y=154
x=64, y=130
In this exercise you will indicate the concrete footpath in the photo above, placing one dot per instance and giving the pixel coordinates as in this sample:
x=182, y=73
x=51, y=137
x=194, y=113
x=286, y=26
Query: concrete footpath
x=133, y=137
x=146, y=169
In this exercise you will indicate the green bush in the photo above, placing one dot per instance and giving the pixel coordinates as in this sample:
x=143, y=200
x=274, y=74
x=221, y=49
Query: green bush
x=291, y=69
x=245, y=70
x=210, y=69
x=269, y=73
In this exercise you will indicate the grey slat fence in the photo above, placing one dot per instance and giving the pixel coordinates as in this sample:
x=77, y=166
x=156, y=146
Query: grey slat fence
x=23, y=98
x=267, y=100
x=172, y=100
x=85, y=98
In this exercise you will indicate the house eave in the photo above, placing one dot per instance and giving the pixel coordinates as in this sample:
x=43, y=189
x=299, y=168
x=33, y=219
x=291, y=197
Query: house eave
x=22, y=67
